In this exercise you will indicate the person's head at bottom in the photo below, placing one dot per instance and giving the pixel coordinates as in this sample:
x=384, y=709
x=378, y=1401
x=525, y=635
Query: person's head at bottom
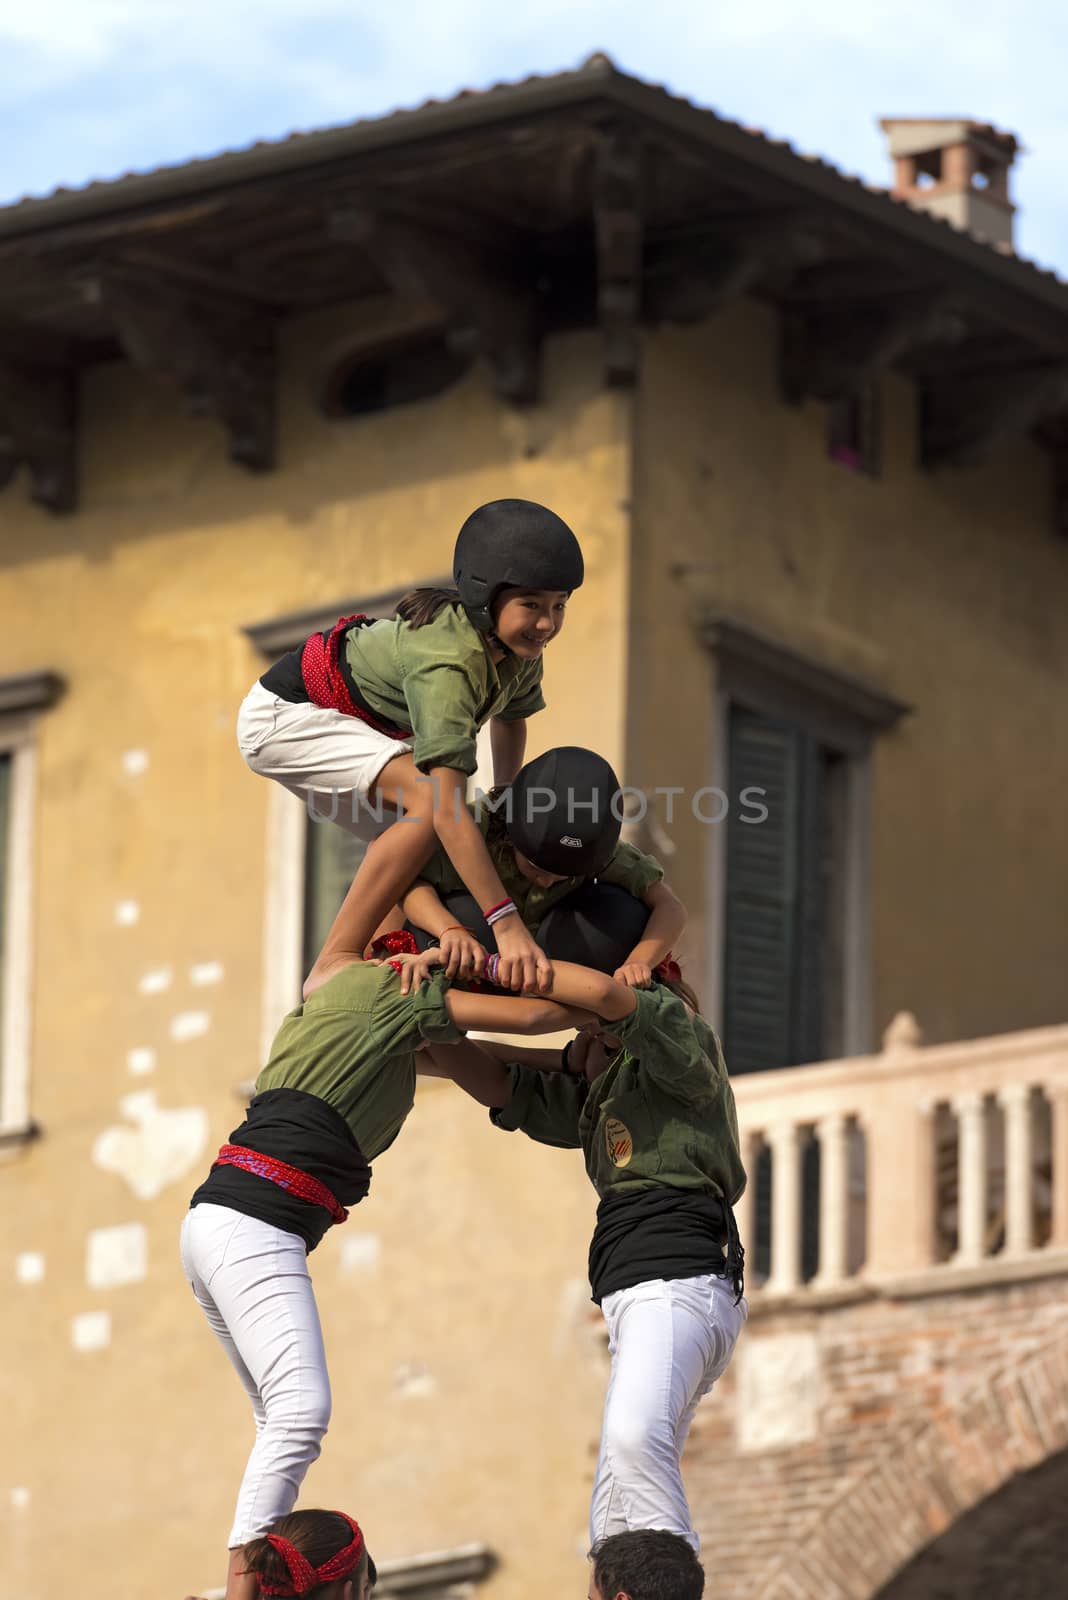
x=645, y=1564
x=319, y=1554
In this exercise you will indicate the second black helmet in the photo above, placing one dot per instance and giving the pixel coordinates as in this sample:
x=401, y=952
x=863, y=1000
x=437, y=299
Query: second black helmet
x=563, y=812
x=512, y=544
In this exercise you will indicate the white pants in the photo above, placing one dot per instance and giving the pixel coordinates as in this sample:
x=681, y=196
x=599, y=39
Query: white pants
x=252, y=1283
x=325, y=758
x=669, y=1340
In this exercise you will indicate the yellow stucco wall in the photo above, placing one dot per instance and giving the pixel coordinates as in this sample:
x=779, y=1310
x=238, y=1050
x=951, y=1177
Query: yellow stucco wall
x=950, y=591
x=464, y=1406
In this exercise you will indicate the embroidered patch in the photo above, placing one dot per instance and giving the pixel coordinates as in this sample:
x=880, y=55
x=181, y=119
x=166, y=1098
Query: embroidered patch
x=569, y=839
x=617, y=1138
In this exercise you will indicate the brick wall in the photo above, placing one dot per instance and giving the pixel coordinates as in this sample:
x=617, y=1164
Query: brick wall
x=842, y=1441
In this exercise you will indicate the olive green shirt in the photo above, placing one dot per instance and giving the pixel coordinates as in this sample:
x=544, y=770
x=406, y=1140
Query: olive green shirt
x=353, y=1045
x=627, y=867
x=661, y=1112
x=439, y=681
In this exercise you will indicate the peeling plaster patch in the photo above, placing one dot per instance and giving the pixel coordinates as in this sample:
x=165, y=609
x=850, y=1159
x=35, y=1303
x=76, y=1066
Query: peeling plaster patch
x=360, y=1253
x=206, y=972
x=29, y=1267
x=127, y=912
x=20, y=1497
x=140, y=1061
x=115, y=1256
x=190, y=1025
x=778, y=1391
x=160, y=1149
x=134, y=762
x=156, y=981
x=414, y=1381
x=91, y=1330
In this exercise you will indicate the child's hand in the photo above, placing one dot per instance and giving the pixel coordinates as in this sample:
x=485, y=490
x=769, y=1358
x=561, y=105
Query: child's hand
x=461, y=953
x=415, y=970
x=523, y=965
x=635, y=974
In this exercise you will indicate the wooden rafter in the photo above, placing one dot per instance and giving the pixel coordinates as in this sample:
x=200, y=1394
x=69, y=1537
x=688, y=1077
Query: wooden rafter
x=220, y=352
x=491, y=308
x=618, y=228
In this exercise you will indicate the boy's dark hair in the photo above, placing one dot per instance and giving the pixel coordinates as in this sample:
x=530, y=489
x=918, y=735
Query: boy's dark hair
x=647, y=1564
x=420, y=606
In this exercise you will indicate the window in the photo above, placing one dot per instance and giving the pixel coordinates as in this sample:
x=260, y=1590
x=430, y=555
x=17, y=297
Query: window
x=853, y=430
x=20, y=698
x=788, y=893
x=783, y=939
x=331, y=860
x=416, y=368
x=787, y=957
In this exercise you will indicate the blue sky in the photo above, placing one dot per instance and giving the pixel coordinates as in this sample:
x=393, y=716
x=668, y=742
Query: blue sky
x=95, y=88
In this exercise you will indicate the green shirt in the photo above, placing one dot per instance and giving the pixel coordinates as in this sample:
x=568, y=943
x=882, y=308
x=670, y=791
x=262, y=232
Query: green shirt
x=440, y=682
x=627, y=867
x=353, y=1045
x=661, y=1112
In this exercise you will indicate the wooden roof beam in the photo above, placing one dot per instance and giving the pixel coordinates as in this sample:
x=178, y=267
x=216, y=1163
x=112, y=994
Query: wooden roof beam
x=692, y=277
x=491, y=309
x=220, y=354
x=830, y=353
x=38, y=413
x=961, y=421
x=618, y=220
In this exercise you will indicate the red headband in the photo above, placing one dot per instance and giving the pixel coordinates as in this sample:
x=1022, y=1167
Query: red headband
x=669, y=970
x=302, y=1575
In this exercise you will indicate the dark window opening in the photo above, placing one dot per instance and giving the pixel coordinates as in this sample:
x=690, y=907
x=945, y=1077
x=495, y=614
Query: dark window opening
x=400, y=375
x=331, y=860
x=785, y=897
x=853, y=431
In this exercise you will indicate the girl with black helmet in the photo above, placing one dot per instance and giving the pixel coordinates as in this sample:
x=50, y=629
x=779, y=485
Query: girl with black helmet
x=360, y=718
x=647, y=1098
x=553, y=836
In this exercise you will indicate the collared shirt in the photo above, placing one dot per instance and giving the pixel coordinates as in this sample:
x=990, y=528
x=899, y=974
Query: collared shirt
x=627, y=867
x=662, y=1112
x=440, y=682
x=353, y=1045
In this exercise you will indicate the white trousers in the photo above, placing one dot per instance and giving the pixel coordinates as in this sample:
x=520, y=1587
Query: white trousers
x=252, y=1283
x=325, y=758
x=669, y=1340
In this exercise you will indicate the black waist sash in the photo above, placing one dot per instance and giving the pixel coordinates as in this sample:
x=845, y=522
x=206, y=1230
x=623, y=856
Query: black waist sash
x=305, y=1132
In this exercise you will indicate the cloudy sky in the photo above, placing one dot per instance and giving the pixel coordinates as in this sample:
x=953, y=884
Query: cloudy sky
x=95, y=88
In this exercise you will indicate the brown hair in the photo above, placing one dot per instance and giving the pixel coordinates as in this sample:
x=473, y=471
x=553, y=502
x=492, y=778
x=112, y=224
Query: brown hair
x=682, y=991
x=318, y=1535
x=648, y=1564
x=420, y=606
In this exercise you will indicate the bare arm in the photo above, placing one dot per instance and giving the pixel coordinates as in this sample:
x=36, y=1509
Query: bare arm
x=508, y=742
x=485, y=1079
x=606, y=997
x=503, y=1013
x=523, y=964
x=667, y=919
x=422, y=905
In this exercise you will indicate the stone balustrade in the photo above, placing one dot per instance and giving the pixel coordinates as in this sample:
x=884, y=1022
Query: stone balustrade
x=945, y=1160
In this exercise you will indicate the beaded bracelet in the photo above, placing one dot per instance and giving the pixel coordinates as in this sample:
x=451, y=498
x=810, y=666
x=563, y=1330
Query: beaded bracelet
x=504, y=908
x=492, y=966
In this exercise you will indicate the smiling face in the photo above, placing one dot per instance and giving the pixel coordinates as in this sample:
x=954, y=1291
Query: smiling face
x=526, y=619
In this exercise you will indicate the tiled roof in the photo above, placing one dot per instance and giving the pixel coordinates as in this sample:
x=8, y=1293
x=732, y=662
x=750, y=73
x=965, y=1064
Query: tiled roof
x=467, y=108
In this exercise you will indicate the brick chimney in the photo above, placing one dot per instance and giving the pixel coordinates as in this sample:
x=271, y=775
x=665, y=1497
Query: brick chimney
x=956, y=169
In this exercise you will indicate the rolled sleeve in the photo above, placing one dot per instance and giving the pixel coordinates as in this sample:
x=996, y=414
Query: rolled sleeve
x=659, y=1032
x=632, y=870
x=443, y=700
x=544, y=1105
x=525, y=702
